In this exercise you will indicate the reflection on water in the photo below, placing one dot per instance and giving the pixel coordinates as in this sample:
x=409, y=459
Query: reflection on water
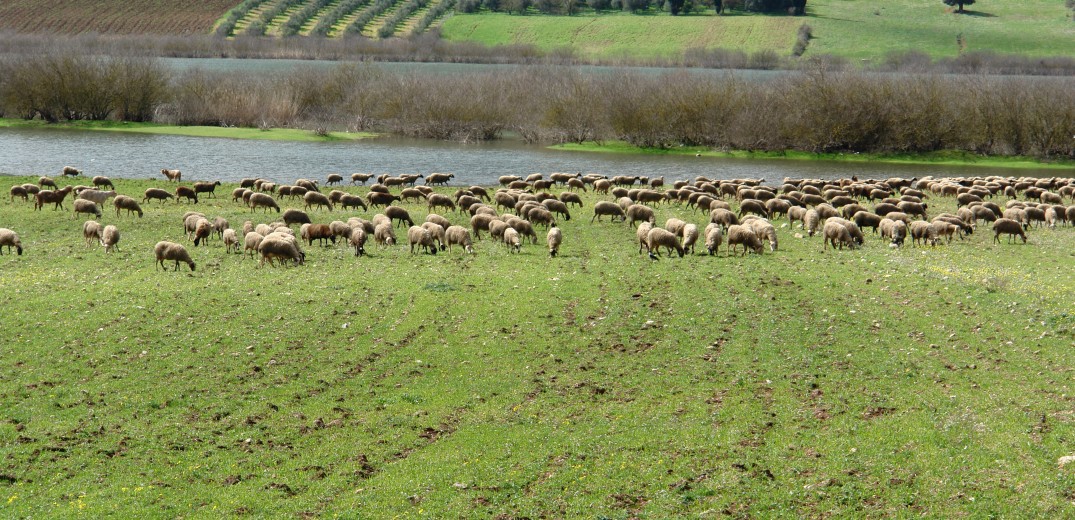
x=123, y=155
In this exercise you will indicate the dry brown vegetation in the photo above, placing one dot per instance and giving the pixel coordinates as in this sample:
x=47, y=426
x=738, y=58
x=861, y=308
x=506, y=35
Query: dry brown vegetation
x=110, y=16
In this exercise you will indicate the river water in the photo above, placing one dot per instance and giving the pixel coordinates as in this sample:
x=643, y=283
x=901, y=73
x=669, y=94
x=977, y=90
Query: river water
x=126, y=155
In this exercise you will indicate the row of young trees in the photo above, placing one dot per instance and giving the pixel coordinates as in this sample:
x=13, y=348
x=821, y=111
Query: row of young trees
x=818, y=111
x=675, y=7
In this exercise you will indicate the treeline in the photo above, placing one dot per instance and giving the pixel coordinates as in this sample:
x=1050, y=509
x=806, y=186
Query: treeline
x=817, y=110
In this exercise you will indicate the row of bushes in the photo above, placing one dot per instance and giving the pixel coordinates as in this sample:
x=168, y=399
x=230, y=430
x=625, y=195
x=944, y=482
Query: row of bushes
x=294, y=24
x=402, y=13
x=259, y=26
x=819, y=110
x=345, y=7
x=377, y=8
x=432, y=15
x=227, y=26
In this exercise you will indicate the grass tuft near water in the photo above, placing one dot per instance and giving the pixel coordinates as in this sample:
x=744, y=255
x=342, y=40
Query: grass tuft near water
x=801, y=383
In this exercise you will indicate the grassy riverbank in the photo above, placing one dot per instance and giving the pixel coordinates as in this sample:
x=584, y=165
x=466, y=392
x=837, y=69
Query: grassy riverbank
x=873, y=382
x=269, y=134
x=948, y=158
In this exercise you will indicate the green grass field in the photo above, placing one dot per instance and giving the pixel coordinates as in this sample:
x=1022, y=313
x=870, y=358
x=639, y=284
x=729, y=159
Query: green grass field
x=872, y=382
x=856, y=29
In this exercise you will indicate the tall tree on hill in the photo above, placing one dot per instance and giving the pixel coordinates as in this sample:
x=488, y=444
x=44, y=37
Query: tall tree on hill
x=959, y=3
x=675, y=6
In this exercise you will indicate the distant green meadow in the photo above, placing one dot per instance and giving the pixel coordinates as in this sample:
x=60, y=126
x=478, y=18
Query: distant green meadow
x=879, y=382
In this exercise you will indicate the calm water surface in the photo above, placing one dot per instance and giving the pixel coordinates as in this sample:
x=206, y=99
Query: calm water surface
x=120, y=155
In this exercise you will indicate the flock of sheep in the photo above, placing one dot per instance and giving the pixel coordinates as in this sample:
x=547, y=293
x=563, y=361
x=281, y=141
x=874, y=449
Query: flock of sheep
x=835, y=209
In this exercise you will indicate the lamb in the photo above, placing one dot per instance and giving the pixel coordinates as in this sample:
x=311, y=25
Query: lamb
x=742, y=234
x=202, y=229
x=71, y=171
x=458, y=235
x=51, y=197
x=319, y=232
x=554, y=238
x=100, y=181
x=87, y=206
x=605, y=207
x=765, y=230
x=156, y=193
x=384, y=235
x=1009, y=227
x=276, y=249
x=264, y=201
x=714, y=235
x=639, y=212
x=658, y=237
x=91, y=231
x=690, y=237
x=421, y=236
x=172, y=175
x=642, y=235
x=165, y=250
x=316, y=198
x=109, y=238
x=206, y=187
x=96, y=196
x=834, y=232
x=397, y=213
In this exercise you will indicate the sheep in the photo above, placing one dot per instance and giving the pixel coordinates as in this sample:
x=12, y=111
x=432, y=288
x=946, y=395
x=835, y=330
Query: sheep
x=319, y=232
x=165, y=250
x=156, y=193
x=124, y=202
x=262, y=200
x=397, y=213
x=1010, y=227
x=639, y=212
x=87, y=206
x=19, y=191
x=109, y=238
x=647, y=196
x=834, y=232
x=524, y=228
x=380, y=199
x=913, y=208
x=10, y=239
x=231, y=240
x=570, y=198
x=272, y=248
x=441, y=179
x=55, y=197
x=437, y=232
x=46, y=181
x=91, y=231
x=777, y=207
x=558, y=207
x=458, y=235
x=742, y=234
x=497, y=228
x=360, y=178
x=922, y=232
x=251, y=241
x=480, y=222
x=421, y=236
x=896, y=230
x=202, y=229
x=765, y=230
x=379, y=219
x=690, y=237
x=540, y=215
x=295, y=216
x=358, y=240
x=723, y=217
x=754, y=206
x=866, y=219
x=206, y=187
x=1035, y=215
x=810, y=221
x=333, y=178
x=100, y=197
x=340, y=229
x=714, y=235
x=316, y=198
x=384, y=235
x=642, y=235
x=945, y=229
x=71, y=171
x=100, y=181
x=554, y=238
x=172, y=175
x=658, y=237
x=605, y=207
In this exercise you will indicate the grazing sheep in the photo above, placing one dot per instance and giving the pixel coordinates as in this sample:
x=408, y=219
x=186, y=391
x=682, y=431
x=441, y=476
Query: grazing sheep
x=19, y=191
x=810, y=221
x=165, y=250
x=922, y=232
x=690, y=237
x=206, y=187
x=1009, y=227
x=340, y=229
x=943, y=229
x=172, y=175
x=558, y=207
x=524, y=228
x=497, y=228
x=202, y=229
x=127, y=203
x=570, y=198
x=674, y=226
x=262, y=200
x=723, y=217
x=46, y=181
x=384, y=235
x=319, y=232
x=437, y=232
x=765, y=230
x=658, y=238
x=88, y=207
x=55, y=197
x=352, y=201
x=895, y=230
x=642, y=235
x=272, y=248
x=316, y=198
x=639, y=212
x=754, y=206
x=251, y=241
x=554, y=238
x=834, y=232
x=380, y=199
x=100, y=181
x=714, y=236
x=395, y=213
x=100, y=197
x=91, y=231
x=358, y=240
x=864, y=219
x=458, y=235
x=512, y=240
x=605, y=207
x=360, y=178
x=158, y=194
x=295, y=216
x=742, y=234
x=480, y=222
x=71, y=171
x=231, y=240
x=10, y=239
x=109, y=238
x=541, y=216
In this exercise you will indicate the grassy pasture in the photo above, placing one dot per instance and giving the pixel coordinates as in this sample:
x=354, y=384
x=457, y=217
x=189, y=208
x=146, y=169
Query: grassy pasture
x=873, y=382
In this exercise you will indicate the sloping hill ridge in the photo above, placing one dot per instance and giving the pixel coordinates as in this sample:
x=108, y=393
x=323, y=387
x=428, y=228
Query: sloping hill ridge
x=112, y=16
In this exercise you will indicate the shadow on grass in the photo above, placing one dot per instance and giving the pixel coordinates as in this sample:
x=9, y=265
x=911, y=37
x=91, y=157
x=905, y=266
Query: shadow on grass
x=978, y=14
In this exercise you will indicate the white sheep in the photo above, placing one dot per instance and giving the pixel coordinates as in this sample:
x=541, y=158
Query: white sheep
x=110, y=238
x=91, y=231
x=231, y=240
x=10, y=239
x=554, y=238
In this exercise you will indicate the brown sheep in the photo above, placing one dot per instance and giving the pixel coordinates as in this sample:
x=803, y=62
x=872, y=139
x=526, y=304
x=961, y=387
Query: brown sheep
x=277, y=249
x=206, y=187
x=184, y=192
x=171, y=251
x=435, y=200
x=360, y=178
x=318, y=199
x=458, y=235
x=262, y=200
x=639, y=212
x=384, y=235
x=1009, y=227
x=739, y=234
x=658, y=238
x=319, y=232
x=480, y=222
x=124, y=202
x=642, y=235
x=71, y=171
x=100, y=181
x=87, y=206
x=395, y=213
x=91, y=231
x=55, y=197
x=834, y=232
x=714, y=236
